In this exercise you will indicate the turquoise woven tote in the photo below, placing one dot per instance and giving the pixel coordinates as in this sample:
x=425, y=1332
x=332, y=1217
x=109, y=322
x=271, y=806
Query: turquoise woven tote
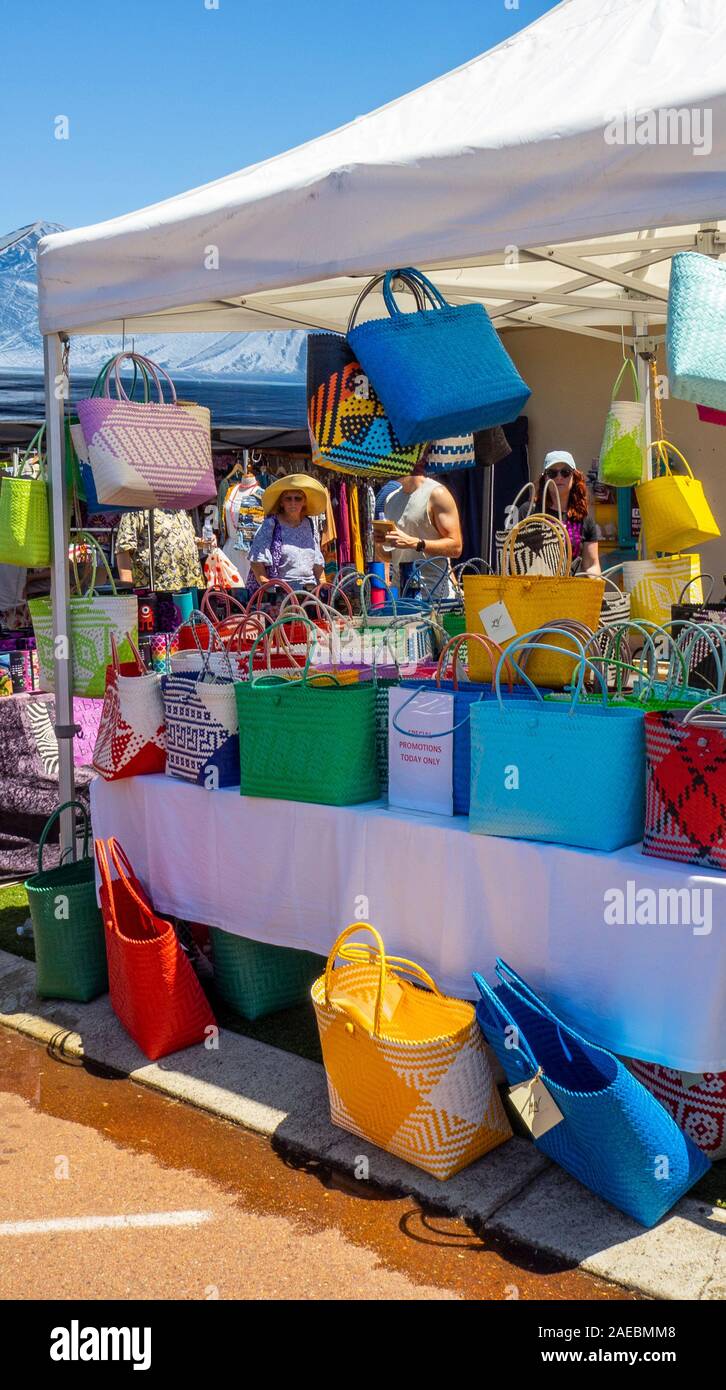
x=614, y=1136
x=696, y=329
x=521, y=751
x=257, y=979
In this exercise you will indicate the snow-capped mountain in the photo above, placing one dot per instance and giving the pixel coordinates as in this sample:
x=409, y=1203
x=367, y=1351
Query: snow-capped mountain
x=260, y=356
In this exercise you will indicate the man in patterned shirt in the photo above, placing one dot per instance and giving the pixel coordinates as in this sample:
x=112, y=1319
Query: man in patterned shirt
x=176, y=551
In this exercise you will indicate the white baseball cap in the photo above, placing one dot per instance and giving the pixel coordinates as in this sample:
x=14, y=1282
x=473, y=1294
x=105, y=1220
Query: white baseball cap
x=559, y=456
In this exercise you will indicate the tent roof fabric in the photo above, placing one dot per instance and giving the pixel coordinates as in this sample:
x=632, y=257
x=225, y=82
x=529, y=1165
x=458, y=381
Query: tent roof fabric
x=494, y=163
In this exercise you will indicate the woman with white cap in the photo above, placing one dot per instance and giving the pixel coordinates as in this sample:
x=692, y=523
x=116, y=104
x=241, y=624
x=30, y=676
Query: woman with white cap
x=560, y=468
x=286, y=545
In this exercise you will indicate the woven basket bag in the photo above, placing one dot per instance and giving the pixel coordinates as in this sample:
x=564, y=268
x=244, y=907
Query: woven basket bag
x=257, y=979
x=70, y=952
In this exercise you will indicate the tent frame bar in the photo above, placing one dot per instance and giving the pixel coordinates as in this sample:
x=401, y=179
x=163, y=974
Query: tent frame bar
x=56, y=390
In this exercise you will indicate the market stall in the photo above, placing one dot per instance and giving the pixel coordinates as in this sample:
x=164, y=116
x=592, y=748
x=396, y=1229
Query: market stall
x=530, y=866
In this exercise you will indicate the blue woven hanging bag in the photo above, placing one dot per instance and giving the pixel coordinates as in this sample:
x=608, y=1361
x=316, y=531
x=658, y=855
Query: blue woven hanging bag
x=614, y=1137
x=439, y=371
x=696, y=330
x=521, y=752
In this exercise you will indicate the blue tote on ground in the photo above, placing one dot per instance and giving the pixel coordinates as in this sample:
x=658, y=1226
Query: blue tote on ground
x=440, y=371
x=525, y=753
x=611, y=1134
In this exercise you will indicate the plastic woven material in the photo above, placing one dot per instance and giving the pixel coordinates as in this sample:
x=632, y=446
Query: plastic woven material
x=622, y=451
x=537, y=740
x=674, y=512
x=70, y=952
x=614, y=1137
x=131, y=735
x=698, y=1105
x=256, y=979
x=154, y=991
x=148, y=454
x=532, y=600
x=95, y=619
x=417, y=1082
x=305, y=742
x=696, y=330
x=441, y=371
x=349, y=429
x=447, y=455
x=202, y=741
x=655, y=585
x=685, y=809
x=24, y=523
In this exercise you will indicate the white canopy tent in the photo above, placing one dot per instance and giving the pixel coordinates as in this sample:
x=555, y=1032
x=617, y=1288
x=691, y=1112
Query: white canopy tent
x=526, y=179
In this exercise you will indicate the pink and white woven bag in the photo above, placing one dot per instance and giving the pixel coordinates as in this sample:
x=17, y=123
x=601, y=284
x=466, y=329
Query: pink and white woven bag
x=147, y=453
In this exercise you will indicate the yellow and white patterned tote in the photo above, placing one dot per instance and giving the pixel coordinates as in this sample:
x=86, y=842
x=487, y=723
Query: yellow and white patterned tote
x=406, y=1067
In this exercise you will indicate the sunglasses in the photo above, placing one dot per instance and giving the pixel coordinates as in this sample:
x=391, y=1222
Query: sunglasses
x=558, y=473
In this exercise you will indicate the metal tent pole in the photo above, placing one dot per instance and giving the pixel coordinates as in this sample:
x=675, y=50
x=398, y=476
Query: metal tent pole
x=60, y=586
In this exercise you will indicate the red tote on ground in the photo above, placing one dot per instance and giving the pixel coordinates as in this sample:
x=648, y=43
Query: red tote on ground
x=154, y=991
x=131, y=736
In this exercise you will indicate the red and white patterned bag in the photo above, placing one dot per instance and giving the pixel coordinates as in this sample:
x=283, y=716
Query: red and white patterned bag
x=698, y=1106
x=131, y=736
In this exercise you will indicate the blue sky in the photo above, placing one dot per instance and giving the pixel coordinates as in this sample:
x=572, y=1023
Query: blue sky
x=162, y=95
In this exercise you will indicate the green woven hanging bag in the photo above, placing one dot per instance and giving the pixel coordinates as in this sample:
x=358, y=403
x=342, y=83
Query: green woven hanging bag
x=257, y=979
x=302, y=740
x=24, y=515
x=70, y=950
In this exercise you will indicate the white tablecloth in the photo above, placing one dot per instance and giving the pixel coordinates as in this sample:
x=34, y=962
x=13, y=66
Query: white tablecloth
x=295, y=874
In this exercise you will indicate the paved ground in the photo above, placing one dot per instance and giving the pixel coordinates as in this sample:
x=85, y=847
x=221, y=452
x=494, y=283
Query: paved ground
x=210, y=1210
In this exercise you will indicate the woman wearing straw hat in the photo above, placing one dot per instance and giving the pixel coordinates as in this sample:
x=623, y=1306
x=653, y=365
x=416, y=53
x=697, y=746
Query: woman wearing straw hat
x=286, y=545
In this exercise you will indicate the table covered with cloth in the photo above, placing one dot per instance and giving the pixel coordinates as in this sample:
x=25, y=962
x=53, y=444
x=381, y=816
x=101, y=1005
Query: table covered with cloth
x=640, y=972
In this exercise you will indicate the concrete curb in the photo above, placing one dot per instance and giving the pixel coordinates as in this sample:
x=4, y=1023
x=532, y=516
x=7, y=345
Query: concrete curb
x=513, y=1192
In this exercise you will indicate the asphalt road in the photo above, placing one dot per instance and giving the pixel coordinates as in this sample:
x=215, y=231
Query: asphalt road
x=108, y=1190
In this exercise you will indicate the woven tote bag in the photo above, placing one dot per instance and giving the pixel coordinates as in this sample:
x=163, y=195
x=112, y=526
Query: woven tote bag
x=696, y=1102
x=529, y=602
x=439, y=371
x=696, y=329
x=615, y=601
x=539, y=544
x=349, y=429
x=154, y=992
x=95, y=619
x=685, y=807
x=70, y=951
x=200, y=716
x=24, y=515
x=613, y=1136
x=702, y=672
x=673, y=508
x=308, y=739
x=622, y=451
x=147, y=453
x=404, y=1065
x=131, y=736
x=520, y=748
x=256, y=979
x=447, y=455
x=654, y=585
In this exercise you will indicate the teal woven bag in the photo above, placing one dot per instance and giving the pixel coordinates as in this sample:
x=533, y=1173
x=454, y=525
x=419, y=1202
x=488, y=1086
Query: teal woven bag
x=303, y=740
x=70, y=950
x=696, y=329
x=256, y=979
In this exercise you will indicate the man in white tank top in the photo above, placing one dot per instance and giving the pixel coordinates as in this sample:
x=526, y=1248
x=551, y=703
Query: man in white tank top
x=427, y=527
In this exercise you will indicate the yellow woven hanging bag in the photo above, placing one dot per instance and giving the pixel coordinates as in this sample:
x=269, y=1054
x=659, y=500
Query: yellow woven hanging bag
x=406, y=1067
x=673, y=508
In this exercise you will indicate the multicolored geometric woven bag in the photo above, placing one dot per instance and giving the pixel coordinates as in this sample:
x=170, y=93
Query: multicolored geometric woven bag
x=349, y=429
x=696, y=1102
x=685, y=769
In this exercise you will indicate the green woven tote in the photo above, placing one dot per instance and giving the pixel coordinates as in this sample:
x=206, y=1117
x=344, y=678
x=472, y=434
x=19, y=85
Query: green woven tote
x=70, y=950
x=256, y=979
x=24, y=516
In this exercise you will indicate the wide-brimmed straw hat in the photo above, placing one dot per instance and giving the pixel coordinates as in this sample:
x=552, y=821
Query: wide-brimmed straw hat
x=316, y=496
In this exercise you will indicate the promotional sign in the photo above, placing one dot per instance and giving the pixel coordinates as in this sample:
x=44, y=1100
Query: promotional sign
x=420, y=750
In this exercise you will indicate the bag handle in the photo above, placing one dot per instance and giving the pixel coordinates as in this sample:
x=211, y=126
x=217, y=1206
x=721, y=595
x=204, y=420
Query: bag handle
x=459, y=571
x=450, y=649
x=358, y=952
x=229, y=603
x=529, y=487
x=416, y=575
x=501, y=1019
x=196, y=619
x=97, y=551
x=663, y=445
x=154, y=370
x=525, y=641
x=140, y=667
x=265, y=636
x=34, y=447
x=264, y=586
x=546, y=485
x=627, y=362
x=409, y=273
x=511, y=980
x=378, y=280
x=717, y=721
x=693, y=581
x=134, y=888
x=78, y=806
x=330, y=589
